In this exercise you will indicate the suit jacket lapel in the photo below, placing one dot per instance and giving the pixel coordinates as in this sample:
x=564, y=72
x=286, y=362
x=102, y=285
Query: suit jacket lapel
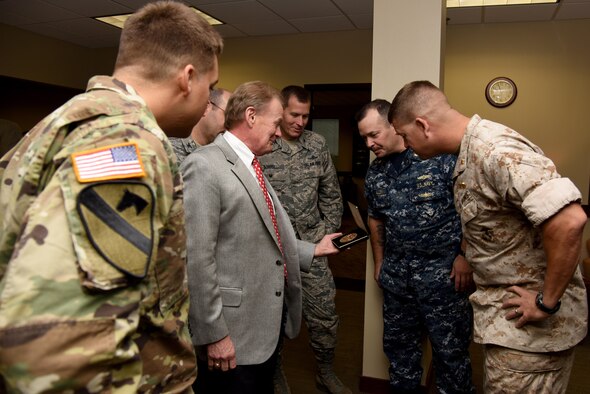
x=250, y=184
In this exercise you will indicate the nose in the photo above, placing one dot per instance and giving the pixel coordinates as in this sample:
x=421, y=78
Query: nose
x=278, y=131
x=369, y=142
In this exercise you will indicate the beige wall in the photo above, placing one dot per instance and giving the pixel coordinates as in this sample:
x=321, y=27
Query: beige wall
x=549, y=63
x=27, y=55
x=336, y=57
x=547, y=60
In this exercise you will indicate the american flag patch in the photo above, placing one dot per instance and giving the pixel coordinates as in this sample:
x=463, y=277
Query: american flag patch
x=110, y=162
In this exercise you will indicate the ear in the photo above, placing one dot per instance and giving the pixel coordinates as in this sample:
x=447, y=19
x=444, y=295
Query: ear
x=423, y=126
x=186, y=77
x=250, y=116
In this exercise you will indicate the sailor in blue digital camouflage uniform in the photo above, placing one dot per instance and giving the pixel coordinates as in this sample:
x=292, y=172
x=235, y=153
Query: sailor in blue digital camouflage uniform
x=416, y=241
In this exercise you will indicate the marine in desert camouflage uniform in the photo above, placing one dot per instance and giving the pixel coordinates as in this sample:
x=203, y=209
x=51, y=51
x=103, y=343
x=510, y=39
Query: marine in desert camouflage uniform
x=93, y=292
x=301, y=171
x=522, y=223
x=416, y=237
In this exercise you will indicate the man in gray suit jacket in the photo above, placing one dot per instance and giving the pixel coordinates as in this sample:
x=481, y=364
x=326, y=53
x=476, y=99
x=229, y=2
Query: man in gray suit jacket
x=243, y=267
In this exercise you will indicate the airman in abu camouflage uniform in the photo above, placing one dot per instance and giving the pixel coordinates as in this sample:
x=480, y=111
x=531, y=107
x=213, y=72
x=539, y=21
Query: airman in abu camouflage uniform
x=522, y=224
x=93, y=292
x=416, y=237
x=301, y=171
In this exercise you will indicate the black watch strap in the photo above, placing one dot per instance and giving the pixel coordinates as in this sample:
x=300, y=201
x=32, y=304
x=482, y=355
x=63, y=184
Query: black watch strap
x=543, y=307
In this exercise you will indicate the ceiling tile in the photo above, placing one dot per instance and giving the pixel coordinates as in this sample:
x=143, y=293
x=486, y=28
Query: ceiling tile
x=362, y=21
x=266, y=27
x=227, y=31
x=458, y=16
x=302, y=8
x=519, y=13
x=13, y=19
x=132, y=4
x=573, y=11
x=352, y=7
x=87, y=27
x=64, y=19
x=92, y=8
x=329, y=23
x=47, y=29
x=236, y=13
x=37, y=11
x=201, y=2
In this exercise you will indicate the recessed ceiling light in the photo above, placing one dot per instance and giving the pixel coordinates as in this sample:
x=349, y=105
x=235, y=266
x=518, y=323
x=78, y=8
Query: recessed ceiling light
x=119, y=20
x=484, y=3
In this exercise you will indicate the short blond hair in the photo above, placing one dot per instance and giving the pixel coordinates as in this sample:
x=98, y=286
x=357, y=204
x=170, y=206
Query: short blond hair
x=256, y=94
x=415, y=99
x=164, y=36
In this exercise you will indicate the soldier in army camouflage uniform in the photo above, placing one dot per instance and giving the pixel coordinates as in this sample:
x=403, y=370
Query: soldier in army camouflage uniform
x=301, y=171
x=416, y=239
x=93, y=292
x=522, y=224
x=206, y=129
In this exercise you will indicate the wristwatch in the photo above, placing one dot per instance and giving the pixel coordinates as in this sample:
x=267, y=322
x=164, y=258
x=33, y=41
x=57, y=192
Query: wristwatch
x=545, y=308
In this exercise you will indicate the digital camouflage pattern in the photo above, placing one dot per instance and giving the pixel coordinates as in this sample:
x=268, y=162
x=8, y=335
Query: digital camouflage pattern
x=183, y=147
x=413, y=198
x=505, y=188
x=71, y=319
x=305, y=180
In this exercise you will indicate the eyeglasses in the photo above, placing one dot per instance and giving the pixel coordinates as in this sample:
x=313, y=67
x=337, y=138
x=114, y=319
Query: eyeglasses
x=217, y=106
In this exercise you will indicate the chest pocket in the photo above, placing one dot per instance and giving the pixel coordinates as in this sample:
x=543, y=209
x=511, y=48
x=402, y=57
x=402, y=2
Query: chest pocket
x=467, y=206
x=308, y=173
x=430, y=202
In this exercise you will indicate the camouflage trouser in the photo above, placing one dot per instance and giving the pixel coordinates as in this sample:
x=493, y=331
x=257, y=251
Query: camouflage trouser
x=513, y=371
x=418, y=297
x=319, y=309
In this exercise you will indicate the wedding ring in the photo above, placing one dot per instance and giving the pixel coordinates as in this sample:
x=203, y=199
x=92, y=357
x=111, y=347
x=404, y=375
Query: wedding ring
x=516, y=311
x=217, y=364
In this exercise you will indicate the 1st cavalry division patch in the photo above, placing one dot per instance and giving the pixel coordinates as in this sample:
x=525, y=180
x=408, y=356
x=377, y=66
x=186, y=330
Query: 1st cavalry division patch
x=118, y=217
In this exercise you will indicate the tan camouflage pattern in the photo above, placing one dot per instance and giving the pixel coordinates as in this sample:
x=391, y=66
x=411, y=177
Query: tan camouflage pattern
x=70, y=322
x=514, y=371
x=504, y=189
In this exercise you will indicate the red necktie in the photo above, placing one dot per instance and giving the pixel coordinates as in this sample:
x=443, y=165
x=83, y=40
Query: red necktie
x=271, y=211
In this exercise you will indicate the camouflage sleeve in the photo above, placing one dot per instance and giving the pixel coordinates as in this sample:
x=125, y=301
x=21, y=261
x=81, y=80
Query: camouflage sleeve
x=329, y=195
x=81, y=279
x=370, y=184
x=528, y=180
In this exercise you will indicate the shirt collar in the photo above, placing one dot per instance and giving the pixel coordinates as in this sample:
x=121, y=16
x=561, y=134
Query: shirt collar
x=243, y=152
